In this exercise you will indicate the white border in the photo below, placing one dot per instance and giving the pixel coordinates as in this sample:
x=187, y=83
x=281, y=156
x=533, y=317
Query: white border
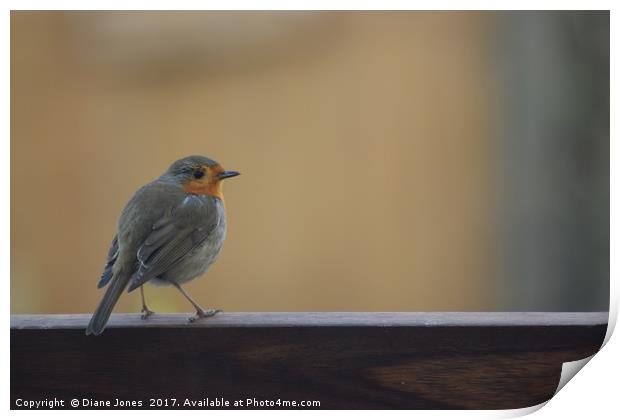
x=309, y=5
x=593, y=393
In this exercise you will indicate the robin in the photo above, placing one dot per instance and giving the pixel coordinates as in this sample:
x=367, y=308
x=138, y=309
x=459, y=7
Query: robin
x=169, y=233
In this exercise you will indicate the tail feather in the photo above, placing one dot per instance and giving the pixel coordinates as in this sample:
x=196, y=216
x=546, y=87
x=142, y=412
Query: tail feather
x=102, y=313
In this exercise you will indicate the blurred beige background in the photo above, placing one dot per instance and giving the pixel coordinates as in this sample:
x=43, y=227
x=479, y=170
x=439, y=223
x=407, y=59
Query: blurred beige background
x=363, y=140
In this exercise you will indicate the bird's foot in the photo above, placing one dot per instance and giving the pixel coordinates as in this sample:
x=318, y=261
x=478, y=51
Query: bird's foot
x=204, y=314
x=146, y=312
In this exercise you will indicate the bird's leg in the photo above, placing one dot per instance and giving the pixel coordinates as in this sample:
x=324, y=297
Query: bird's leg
x=200, y=313
x=146, y=312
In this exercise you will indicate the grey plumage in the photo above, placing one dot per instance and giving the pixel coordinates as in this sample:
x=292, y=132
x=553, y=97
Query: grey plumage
x=176, y=238
x=165, y=235
x=107, y=270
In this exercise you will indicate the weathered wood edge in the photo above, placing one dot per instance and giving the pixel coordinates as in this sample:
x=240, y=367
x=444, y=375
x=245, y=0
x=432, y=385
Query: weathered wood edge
x=319, y=319
x=424, y=360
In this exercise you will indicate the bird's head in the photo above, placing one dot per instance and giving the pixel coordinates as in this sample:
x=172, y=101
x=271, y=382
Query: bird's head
x=199, y=175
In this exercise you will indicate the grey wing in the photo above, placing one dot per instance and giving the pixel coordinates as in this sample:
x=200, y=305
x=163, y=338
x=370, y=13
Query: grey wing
x=107, y=270
x=172, y=238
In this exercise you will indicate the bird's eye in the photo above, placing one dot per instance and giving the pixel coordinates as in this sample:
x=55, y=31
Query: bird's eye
x=199, y=174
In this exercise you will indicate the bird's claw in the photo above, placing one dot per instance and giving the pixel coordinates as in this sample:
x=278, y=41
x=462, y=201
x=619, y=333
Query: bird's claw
x=204, y=314
x=146, y=312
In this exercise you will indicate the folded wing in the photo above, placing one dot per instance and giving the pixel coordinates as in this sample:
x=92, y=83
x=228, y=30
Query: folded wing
x=173, y=237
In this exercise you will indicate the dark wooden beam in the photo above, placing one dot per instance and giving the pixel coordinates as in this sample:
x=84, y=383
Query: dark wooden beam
x=343, y=360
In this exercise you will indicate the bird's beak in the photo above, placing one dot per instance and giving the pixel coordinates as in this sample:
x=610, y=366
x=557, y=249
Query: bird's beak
x=227, y=174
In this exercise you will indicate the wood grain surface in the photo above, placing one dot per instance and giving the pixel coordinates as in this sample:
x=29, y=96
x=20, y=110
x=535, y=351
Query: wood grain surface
x=343, y=360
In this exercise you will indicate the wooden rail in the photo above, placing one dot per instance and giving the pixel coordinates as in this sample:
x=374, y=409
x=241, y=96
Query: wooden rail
x=342, y=360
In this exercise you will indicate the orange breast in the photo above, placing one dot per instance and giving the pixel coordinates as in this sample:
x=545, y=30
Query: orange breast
x=199, y=187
